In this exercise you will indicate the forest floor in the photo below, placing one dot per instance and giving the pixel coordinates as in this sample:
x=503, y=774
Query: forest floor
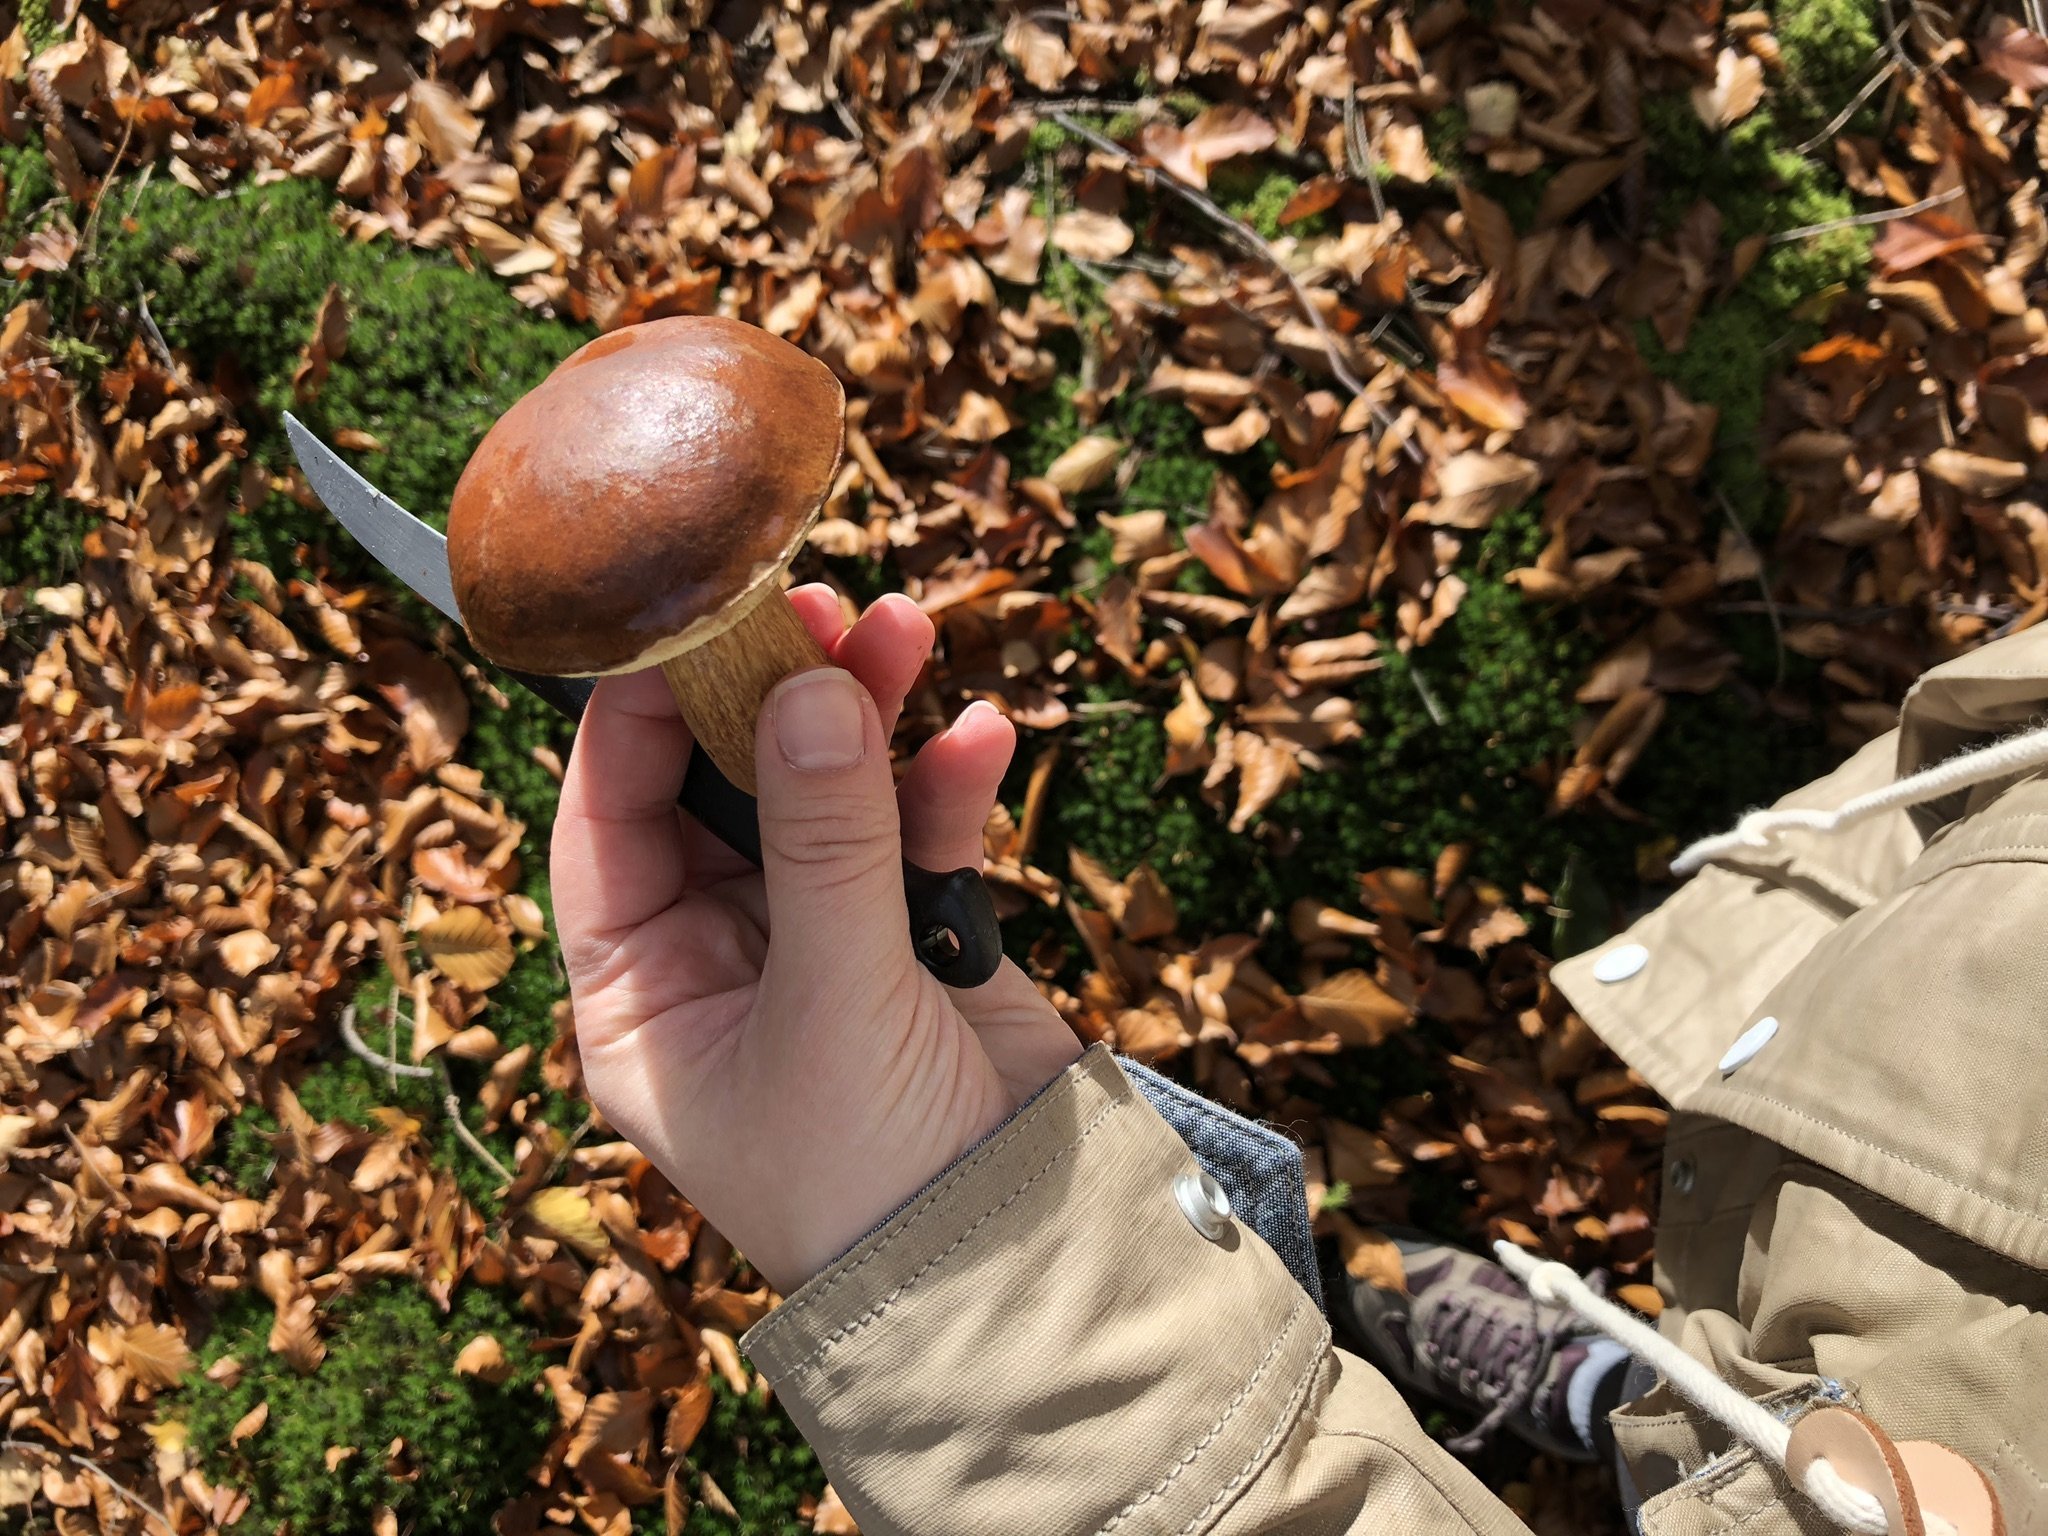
x=1405, y=468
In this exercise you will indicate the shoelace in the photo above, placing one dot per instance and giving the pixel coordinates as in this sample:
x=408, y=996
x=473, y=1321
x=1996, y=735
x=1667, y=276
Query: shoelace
x=2002, y=759
x=1458, y=1348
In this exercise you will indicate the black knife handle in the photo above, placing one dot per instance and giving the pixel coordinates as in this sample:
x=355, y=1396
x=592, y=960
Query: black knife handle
x=953, y=924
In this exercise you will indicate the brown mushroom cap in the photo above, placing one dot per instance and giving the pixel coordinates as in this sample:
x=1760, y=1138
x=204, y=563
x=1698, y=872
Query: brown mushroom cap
x=629, y=507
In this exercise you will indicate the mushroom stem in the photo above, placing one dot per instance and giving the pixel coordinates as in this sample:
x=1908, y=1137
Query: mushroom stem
x=721, y=684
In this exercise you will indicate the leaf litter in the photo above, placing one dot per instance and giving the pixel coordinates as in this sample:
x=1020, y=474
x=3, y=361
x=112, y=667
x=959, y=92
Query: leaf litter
x=229, y=791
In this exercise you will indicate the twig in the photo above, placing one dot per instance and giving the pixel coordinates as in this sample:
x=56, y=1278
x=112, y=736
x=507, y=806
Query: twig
x=157, y=343
x=1896, y=29
x=1842, y=117
x=1110, y=707
x=569, y=1146
x=120, y=1200
x=1436, y=710
x=1248, y=240
x=1763, y=582
x=1358, y=154
x=99, y=198
x=452, y=1102
x=1859, y=220
x=37, y=1448
x=375, y=1058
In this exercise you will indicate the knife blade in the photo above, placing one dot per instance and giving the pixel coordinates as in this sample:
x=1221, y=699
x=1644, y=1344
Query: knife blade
x=953, y=921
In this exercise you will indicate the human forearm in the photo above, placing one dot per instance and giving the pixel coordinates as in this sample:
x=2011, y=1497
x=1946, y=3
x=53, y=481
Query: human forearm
x=1044, y=1340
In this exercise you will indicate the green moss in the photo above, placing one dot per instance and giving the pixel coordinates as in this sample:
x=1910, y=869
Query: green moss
x=520, y=1010
x=39, y=24
x=247, y=1150
x=1827, y=48
x=1445, y=133
x=1256, y=192
x=30, y=185
x=389, y=1375
x=758, y=1460
x=1048, y=137
x=41, y=539
x=1760, y=187
x=435, y=353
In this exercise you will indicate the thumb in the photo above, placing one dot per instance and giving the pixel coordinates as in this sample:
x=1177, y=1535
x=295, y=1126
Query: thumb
x=831, y=844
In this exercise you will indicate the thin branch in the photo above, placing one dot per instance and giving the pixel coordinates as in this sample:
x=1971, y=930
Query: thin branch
x=1895, y=30
x=158, y=345
x=375, y=1058
x=1436, y=710
x=1860, y=220
x=452, y=1102
x=575, y=1140
x=35, y=1447
x=1110, y=707
x=1842, y=117
x=1763, y=582
x=1358, y=153
x=1247, y=239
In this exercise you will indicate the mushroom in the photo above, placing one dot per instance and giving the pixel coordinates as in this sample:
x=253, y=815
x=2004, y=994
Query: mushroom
x=639, y=507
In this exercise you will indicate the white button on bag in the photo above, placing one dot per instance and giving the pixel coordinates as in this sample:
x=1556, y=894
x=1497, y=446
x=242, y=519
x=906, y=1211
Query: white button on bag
x=1204, y=1204
x=1620, y=964
x=1754, y=1039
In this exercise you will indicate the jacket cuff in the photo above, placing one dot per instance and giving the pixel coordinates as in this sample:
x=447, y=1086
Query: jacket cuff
x=1260, y=1170
x=1026, y=1323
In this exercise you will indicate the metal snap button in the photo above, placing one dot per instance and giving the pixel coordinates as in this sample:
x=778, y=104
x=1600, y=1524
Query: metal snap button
x=1684, y=1174
x=1753, y=1039
x=1203, y=1202
x=1620, y=964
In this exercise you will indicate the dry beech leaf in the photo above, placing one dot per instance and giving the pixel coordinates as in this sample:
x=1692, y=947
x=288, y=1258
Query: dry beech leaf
x=832, y=1518
x=466, y=947
x=1975, y=474
x=688, y=1409
x=426, y=696
x=249, y=1424
x=1355, y=1008
x=484, y=1358
x=1219, y=133
x=1369, y=1256
x=1476, y=487
x=1737, y=87
x=1084, y=466
x=295, y=1334
x=1092, y=236
x=328, y=342
x=247, y=951
x=1646, y=1299
x=567, y=1213
x=156, y=1354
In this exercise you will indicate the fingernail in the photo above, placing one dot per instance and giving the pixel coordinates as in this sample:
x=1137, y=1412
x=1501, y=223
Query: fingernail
x=818, y=721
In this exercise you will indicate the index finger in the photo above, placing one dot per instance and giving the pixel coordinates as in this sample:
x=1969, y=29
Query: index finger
x=618, y=853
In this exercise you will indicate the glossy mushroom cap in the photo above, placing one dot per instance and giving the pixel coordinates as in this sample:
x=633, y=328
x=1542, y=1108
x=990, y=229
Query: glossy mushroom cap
x=633, y=505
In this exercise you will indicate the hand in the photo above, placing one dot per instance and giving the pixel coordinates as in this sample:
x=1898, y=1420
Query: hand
x=767, y=1038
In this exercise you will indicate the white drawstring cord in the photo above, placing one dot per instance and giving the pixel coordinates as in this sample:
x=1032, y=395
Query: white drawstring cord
x=1841, y=1501
x=2015, y=754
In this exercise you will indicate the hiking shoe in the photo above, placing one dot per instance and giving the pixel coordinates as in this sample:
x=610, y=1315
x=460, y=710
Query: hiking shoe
x=1468, y=1334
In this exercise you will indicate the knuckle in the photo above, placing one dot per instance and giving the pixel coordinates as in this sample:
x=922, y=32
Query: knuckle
x=827, y=835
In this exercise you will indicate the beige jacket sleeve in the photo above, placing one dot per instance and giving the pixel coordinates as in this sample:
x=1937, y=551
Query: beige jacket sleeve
x=1043, y=1341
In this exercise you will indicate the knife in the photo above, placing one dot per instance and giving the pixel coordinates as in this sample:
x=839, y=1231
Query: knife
x=952, y=916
